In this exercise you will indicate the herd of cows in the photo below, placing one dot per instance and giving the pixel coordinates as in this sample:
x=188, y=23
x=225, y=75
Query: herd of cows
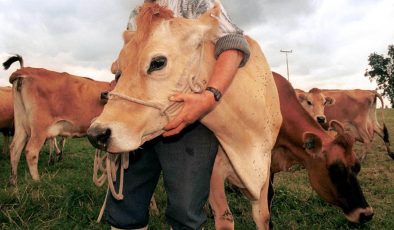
x=316, y=129
x=42, y=105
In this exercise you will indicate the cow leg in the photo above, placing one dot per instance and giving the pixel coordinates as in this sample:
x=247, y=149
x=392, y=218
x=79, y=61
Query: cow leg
x=52, y=142
x=59, y=151
x=6, y=144
x=217, y=196
x=260, y=209
x=153, y=209
x=271, y=193
x=33, y=148
x=17, y=145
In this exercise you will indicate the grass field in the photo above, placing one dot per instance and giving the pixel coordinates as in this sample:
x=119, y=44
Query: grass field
x=66, y=197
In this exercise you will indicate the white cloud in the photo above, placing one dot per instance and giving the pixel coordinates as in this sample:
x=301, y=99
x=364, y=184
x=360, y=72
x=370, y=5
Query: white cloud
x=330, y=39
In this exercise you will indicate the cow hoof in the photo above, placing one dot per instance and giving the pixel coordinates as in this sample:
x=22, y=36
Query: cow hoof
x=12, y=181
x=60, y=157
x=391, y=154
x=51, y=161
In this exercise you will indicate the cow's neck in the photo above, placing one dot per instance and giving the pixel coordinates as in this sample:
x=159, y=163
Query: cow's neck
x=296, y=121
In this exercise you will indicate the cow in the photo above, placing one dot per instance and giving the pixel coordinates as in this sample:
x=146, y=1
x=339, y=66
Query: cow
x=356, y=109
x=314, y=102
x=6, y=116
x=330, y=161
x=7, y=124
x=246, y=121
x=49, y=104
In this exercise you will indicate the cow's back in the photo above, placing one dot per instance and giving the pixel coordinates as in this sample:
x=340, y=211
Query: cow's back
x=350, y=105
x=49, y=98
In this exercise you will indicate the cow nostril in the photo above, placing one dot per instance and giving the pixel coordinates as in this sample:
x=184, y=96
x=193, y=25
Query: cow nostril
x=321, y=119
x=365, y=217
x=103, y=137
x=99, y=137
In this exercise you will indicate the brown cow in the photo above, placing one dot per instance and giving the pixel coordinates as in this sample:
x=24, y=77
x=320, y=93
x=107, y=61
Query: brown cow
x=356, y=109
x=49, y=104
x=330, y=161
x=6, y=116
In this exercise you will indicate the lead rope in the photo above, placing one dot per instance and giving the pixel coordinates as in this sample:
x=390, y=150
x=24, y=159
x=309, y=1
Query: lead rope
x=112, y=163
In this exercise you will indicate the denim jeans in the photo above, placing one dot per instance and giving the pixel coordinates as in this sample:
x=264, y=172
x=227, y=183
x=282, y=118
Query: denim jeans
x=186, y=161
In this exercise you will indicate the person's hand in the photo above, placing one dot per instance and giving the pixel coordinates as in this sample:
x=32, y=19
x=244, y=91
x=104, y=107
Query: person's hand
x=195, y=107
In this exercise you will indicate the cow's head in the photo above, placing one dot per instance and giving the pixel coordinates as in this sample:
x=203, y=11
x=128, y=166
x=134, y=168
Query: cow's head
x=333, y=169
x=314, y=102
x=162, y=58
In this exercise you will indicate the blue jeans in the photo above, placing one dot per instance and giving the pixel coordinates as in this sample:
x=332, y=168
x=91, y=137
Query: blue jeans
x=186, y=161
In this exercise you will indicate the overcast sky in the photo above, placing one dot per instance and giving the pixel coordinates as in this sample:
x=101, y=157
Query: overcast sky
x=331, y=39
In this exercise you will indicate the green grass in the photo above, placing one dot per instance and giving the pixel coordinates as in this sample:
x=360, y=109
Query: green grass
x=66, y=197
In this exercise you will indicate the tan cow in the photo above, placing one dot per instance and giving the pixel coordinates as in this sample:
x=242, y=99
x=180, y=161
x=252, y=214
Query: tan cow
x=246, y=121
x=314, y=102
x=6, y=116
x=7, y=124
x=356, y=109
x=49, y=104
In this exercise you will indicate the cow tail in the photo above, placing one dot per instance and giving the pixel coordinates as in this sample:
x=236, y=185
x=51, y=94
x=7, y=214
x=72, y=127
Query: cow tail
x=385, y=130
x=385, y=134
x=13, y=59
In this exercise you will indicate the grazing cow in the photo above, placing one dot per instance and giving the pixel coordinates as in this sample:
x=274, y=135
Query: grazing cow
x=49, y=104
x=330, y=161
x=356, y=109
x=6, y=116
x=246, y=121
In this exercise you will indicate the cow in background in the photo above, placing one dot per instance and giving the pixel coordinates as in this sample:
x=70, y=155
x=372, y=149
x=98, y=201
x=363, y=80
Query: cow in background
x=314, y=102
x=356, y=109
x=330, y=161
x=49, y=104
x=6, y=116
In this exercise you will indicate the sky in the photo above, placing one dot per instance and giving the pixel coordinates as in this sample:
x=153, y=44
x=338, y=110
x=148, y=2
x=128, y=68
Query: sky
x=330, y=39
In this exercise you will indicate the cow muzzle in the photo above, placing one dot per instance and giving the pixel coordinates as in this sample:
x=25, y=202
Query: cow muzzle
x=321, y=119
x=99, y=136
x=360, y=215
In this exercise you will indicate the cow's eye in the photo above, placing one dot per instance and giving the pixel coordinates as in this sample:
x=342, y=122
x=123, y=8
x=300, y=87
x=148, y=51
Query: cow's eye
x=309, y=103
x=157, y=63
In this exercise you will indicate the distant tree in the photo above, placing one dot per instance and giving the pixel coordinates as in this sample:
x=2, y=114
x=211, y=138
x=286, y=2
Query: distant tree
x=382, y=71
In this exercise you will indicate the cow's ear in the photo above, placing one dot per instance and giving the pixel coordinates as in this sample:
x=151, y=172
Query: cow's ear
x=209, y=21
x=337, y=127
x=127, y=35
x=329, y=101
x=312, y=143
x=301, y=97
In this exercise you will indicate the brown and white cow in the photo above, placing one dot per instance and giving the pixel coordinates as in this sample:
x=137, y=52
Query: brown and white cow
x=6, y=116
x=330, y=161
x=356, y=109
x=49, y=104
x=167, y=55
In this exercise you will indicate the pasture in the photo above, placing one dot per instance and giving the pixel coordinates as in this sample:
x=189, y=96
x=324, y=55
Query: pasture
x=66, y=197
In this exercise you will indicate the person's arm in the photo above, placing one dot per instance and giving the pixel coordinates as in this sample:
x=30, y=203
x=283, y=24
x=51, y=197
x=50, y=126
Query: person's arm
x=231, y=51
x=198, y=105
